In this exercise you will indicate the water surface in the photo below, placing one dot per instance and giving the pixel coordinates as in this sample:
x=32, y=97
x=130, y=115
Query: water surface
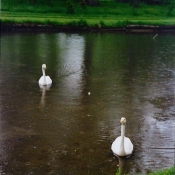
x=62, y=129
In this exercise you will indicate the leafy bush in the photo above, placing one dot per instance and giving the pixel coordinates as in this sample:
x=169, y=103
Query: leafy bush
x=70, y=7
x=83, y=4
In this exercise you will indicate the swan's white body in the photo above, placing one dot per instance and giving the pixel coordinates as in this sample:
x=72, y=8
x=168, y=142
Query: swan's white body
x=122, y=145
x=44, y=80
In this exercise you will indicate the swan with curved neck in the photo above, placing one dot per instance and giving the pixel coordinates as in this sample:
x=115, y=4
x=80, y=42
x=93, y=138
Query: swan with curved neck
x=44, y=80
x=122, y=145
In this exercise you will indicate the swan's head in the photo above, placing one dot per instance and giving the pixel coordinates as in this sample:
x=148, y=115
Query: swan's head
x=44, y=66
x=123, y=121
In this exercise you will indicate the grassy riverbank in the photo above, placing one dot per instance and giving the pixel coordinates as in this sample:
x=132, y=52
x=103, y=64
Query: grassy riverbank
x=108, y=14
x=170, y=171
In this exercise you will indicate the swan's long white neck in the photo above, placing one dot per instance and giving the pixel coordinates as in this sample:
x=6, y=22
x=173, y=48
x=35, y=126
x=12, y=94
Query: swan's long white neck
x=44, y=75
x=122, y=149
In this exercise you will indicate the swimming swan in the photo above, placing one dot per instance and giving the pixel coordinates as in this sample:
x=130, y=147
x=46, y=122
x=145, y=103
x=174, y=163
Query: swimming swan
x=122, y=145
x=44, y=80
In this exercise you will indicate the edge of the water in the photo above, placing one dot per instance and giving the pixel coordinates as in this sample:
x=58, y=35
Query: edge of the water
x=15, y=27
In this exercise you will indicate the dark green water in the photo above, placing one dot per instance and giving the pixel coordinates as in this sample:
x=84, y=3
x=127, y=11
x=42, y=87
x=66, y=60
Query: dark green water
x=63, y=130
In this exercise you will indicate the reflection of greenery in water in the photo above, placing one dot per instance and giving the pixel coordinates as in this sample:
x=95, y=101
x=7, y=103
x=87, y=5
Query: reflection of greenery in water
x=159, y=102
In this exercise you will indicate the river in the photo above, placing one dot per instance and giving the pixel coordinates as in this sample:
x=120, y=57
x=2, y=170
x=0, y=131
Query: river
x=68, y=128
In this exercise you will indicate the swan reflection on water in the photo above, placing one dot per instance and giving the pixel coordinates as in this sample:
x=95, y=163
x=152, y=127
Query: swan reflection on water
x=44, y=88
x=122, y=165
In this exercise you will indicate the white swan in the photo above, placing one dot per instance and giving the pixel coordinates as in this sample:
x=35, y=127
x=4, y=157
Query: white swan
x=44, y=80
x=122, y=145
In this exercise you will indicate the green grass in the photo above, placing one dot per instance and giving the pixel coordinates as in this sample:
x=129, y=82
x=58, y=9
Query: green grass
x=57, y=19
x=170, y=171
x=109, y=14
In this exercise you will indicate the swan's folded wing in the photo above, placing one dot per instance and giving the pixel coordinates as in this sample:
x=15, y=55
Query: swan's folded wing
x=48, y=80
x=41, y=80
x=128, y=146
x=115, y=147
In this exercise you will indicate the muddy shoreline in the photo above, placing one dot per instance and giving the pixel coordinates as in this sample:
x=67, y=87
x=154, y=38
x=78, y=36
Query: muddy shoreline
x=50, y=28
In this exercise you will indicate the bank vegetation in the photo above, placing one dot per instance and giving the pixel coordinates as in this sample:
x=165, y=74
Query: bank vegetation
x=98, y=13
